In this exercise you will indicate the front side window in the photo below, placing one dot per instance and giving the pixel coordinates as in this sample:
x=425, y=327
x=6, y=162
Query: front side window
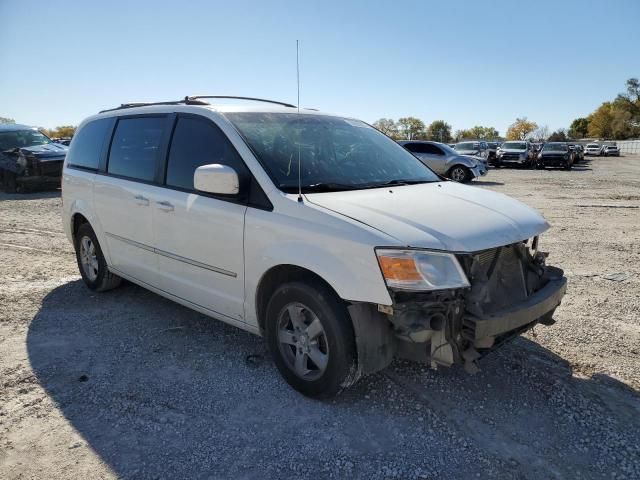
x=334, y=153
x=87, y=144
x=135, y=146
x=22, y=138
x=195, y=143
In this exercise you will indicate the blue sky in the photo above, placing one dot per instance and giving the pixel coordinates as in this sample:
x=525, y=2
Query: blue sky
x=467, y=62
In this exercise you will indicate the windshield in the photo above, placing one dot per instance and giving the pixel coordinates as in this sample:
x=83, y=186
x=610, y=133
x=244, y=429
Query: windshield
x=593, y=145
x=555, y=147
x=447, y=149
x=514, y=146
x=467, y=146
x=21, y=138
x=335, y=153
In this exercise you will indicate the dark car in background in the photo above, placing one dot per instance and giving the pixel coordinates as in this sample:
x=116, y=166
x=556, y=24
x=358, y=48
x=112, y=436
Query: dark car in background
x=555, y=154
x=29, y=159
x=578, y=152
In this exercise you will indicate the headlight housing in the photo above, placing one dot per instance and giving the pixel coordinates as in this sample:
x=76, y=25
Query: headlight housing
x=420, y=269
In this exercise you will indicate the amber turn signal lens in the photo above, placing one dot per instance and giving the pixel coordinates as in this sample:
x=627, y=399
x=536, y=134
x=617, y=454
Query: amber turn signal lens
x=398, y=268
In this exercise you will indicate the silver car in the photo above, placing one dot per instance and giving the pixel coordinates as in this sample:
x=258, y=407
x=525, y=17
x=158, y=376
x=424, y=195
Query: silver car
x=444, y=160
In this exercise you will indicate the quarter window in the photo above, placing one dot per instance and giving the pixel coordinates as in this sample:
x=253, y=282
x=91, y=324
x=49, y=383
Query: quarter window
x=135, y=146
x=86, y=146
x=195, y=143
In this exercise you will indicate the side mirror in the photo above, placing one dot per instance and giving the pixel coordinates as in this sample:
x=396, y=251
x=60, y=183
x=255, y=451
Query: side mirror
x=217, y=179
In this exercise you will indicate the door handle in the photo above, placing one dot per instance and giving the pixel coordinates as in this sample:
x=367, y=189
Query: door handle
x=140, y=200
x=165, y=206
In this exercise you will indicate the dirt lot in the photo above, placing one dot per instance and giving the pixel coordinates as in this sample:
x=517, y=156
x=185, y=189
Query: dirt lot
x=127, y=384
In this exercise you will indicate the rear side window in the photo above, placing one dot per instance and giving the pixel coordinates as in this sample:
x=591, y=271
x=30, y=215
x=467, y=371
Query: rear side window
x=135, y=146
x=86, y=146
x=195, y=143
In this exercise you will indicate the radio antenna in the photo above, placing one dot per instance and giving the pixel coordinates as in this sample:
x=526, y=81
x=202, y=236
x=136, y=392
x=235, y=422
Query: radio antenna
x=298, y=104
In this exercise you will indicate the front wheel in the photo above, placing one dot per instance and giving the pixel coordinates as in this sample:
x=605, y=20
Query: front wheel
x=9, y=181
x=311, y=338
x=91, y=262
x=460, y=173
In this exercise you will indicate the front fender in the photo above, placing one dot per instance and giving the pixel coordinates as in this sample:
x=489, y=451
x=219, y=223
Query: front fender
x=347, y=264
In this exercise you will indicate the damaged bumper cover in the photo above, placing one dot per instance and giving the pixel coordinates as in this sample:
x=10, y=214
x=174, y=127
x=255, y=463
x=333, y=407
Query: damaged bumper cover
x=535, y=308
x=511, y=291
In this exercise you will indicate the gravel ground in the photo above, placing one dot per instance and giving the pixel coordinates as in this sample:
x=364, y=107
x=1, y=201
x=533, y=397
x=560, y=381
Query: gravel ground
x=129, y=385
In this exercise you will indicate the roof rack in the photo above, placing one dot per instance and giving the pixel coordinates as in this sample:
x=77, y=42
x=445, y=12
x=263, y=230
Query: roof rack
x=197, y=97
x=193, y=100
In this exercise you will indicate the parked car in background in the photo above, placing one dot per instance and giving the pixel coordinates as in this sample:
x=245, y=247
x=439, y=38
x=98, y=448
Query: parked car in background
x=578, y=152
x=474, y=148
x=555, y=154
x=362, y=255
x=493, y=152
x=28, y=159
x=593, y=149
x=517, y=153
x=611, y=150
x=62, y=141
x=446, y=161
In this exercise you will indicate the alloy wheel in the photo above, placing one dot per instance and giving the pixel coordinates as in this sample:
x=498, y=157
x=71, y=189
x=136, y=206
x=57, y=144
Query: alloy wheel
x=302, y=341
x=88, y=258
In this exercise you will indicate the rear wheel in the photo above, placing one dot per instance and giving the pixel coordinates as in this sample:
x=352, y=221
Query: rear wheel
x=460, y=173
x=91, y=262
x=311, y=338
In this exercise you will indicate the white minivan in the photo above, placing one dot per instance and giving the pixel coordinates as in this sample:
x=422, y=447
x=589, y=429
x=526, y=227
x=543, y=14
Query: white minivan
x=316, y=231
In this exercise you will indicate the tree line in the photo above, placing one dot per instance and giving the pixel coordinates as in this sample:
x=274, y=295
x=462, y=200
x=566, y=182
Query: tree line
x=412, y=128
x=617, y=120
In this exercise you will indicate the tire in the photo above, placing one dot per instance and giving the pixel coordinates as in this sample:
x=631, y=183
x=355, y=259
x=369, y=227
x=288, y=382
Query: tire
x=91, y=262
x=460, y=173
x=568, y=166
x=296, y=351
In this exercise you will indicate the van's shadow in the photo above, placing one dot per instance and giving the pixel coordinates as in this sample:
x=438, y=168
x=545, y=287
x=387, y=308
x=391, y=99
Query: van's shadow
x=159, y=391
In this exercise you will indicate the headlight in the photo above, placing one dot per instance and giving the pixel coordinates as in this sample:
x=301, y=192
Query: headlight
x=421, y=270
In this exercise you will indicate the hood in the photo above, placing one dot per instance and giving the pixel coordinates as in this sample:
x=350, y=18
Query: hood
x=468, y=151
x=441, y=215
x=48, y=150
x=514, y=150
x=473, y=158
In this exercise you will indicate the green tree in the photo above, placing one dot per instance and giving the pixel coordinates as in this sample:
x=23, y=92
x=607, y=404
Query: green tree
x=521, y=129
x=5, y=120
x=387, y=126
x=559, y=135
x=579, y=128
x=439, y=131
x=411, y=128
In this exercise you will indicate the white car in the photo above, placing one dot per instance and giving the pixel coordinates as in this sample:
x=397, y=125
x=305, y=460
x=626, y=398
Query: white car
x=313, y=230
x=611, y=151
x=593, y=149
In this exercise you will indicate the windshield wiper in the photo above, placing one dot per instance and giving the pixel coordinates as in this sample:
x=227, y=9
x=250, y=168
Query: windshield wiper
x=395, y=182
x=319, y=187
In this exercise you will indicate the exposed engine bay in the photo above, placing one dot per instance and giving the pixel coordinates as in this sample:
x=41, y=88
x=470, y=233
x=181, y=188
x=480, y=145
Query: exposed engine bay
x=512, y=289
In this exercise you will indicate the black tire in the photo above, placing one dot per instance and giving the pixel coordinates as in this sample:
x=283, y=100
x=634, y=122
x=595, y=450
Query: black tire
x=104, y=280
x=461, y=173
x=338, y=337
x=568, y=166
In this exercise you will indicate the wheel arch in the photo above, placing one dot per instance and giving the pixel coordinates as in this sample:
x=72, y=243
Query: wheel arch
x=276, y=276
